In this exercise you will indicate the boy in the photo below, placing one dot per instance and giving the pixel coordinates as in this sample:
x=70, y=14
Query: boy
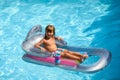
x=49, y=45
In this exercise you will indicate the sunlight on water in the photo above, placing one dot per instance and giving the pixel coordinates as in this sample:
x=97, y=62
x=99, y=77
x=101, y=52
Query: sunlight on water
x=71, y=19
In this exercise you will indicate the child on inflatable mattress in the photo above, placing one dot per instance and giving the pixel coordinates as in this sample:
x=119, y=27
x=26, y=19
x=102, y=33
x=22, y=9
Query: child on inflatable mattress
x=49, y=45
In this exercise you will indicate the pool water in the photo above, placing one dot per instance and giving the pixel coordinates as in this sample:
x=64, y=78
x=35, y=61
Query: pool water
x=82, y=23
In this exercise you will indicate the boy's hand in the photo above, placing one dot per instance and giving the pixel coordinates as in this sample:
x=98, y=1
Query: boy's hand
x=59, y=38
x=43, y=49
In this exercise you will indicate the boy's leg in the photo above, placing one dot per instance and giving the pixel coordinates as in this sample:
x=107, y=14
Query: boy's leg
x=77, y=54
x=74, y=53
x=70, y=56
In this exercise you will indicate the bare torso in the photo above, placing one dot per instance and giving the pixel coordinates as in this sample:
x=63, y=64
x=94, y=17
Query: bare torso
x=50, y=44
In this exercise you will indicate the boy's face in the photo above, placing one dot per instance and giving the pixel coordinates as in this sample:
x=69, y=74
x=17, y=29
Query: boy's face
x=49, y=33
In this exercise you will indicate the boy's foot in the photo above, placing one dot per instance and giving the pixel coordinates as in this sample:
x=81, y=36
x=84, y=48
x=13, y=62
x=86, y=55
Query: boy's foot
x=85, y=55
x=80, y=61
x=82, y=58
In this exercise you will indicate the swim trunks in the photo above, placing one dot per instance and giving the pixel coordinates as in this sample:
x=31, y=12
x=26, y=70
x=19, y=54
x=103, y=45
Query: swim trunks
x=57, y=52
x=57, y=55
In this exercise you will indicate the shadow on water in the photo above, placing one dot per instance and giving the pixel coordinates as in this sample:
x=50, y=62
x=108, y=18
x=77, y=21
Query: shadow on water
x=108, y=37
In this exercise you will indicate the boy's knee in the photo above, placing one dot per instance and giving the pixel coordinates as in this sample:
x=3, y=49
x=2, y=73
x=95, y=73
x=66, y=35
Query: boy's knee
x=66, y=51
x=63, y=53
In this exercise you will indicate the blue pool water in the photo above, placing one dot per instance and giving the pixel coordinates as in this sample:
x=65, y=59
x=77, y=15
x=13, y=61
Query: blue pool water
x=85, y=23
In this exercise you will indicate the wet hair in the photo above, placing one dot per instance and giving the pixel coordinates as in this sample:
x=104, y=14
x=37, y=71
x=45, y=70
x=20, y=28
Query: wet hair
x=50, y=28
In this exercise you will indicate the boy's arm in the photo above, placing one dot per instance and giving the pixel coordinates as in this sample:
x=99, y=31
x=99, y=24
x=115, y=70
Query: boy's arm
x=37, y=45
x=60, y=41
x=58, y=38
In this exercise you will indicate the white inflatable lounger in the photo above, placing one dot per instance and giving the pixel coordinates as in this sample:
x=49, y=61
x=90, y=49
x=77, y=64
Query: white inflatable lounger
x=34, y=55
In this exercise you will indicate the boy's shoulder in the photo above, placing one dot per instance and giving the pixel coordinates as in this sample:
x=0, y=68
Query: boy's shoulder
x=42, y=40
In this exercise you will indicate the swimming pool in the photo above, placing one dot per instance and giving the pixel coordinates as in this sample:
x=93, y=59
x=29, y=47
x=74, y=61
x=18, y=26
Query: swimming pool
x=91, y=23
